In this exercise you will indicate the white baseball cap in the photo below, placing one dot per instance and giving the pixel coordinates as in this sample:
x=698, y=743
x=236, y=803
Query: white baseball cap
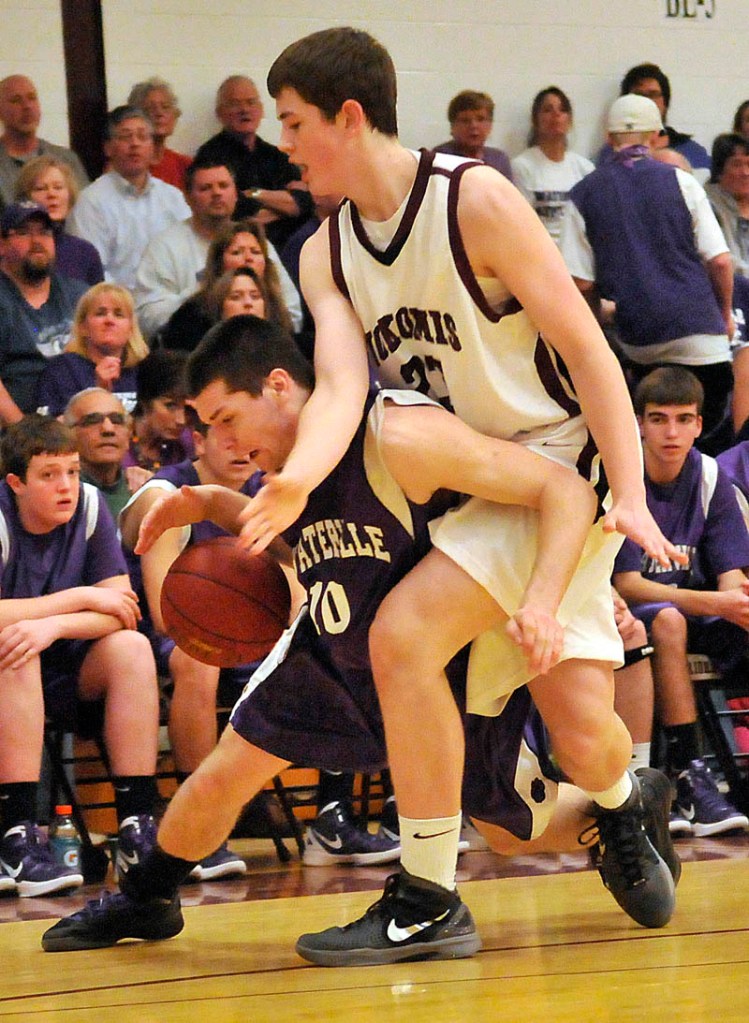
x=633, y=113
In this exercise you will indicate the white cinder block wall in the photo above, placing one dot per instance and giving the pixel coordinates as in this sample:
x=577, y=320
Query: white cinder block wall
x=510, y=48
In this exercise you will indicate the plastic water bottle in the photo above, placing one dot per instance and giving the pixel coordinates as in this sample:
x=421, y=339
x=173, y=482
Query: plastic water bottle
x=64, y=838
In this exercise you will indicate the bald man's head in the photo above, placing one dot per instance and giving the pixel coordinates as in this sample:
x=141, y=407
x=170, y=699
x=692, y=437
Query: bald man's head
x=20, y=111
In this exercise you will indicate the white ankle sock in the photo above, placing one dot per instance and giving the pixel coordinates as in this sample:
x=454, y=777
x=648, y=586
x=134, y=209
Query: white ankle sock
x=615, y=796
x=429, y=848
x=640, y=756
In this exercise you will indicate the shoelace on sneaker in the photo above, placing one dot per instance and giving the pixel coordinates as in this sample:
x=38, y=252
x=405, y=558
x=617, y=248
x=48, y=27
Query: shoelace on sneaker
x=621, y=832
x=37, y=847
x=388, y=895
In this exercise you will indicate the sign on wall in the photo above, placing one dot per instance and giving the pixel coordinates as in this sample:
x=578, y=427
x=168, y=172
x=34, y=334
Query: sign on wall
x=691, y=8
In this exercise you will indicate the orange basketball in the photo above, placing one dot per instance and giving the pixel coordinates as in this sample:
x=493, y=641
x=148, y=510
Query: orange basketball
x=224, y=606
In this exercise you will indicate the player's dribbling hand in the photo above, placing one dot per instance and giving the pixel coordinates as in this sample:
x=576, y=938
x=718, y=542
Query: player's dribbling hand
x=634, y=520
x=277, y=505
x=182, y=508
x=539, y=635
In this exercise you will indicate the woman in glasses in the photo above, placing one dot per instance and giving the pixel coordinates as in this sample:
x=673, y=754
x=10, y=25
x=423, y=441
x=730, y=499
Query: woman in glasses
x=104, y=349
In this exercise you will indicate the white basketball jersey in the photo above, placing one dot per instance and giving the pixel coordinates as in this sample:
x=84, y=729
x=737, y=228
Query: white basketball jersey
x=432, y=326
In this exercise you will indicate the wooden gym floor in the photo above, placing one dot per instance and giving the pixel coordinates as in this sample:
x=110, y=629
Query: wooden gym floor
x=556, y=949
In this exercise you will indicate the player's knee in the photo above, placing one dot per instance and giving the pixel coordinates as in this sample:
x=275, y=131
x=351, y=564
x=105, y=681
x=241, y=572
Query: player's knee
x=669, y=628
x=386, y=643
x=578, y=748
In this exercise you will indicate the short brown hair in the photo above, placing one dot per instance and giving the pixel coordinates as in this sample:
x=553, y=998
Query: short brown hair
x=469, y=99
x=336, y=64
x=668, y=385
x=34, y=435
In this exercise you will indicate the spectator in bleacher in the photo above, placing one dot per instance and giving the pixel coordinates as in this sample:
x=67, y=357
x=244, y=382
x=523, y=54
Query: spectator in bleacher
x=700, y=607
x=160, y=435
x=157, y=100
x=240, y=244
x=102, y=425
x=124, y=208
x=270, y=186
x=20, y=113
x=49, y=181
x=104, y=348
x=741, y=119
x=68, y=641
x=728, y=190
x=36, y=305
x=471, y=117
x=643, y=235
x=192, y=714
x=290, y=256
x=648, y=80
x=173, y=263
x=236, y=292
x=547, y=170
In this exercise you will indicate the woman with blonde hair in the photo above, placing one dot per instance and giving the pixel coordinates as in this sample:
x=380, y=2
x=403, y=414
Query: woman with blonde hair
x=104, y=349
x=50, y=182
x=240, y=244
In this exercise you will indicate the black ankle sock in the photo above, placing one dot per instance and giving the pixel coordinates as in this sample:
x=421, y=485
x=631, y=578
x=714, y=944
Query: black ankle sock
x=182, y=776
x=682, y=746
x=134, y=795
x=17, y=803
x=157, y=877
x=334, y=788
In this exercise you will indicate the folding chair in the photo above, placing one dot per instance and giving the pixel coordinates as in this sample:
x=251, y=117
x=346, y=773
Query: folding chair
x=717, y=718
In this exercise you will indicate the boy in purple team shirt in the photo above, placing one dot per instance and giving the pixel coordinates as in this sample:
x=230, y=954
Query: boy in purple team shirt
x=68, y=640
x=702, y=606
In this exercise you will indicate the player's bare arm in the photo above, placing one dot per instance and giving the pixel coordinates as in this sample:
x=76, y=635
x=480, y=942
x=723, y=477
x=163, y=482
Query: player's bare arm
x=185, y=507
x=332, y=415
x=730, y=600
x=427, y=449
x=505, y=239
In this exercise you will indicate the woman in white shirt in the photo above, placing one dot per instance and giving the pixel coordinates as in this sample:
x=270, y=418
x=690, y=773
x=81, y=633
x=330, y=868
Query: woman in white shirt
x=546, y=171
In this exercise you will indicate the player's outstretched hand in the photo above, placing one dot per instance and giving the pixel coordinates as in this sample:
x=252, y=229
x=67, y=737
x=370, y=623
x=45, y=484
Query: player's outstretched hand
x=181, y=508
x=277, y=505
x=539, y=635
x=634, y=520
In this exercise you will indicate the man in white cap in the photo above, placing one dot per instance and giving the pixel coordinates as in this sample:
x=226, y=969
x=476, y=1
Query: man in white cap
x=642, y=234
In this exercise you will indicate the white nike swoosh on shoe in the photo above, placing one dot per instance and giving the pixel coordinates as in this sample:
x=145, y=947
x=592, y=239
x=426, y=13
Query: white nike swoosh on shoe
x=130, y=858
x=399, y=934
x=330, y=843
x=687, y=812
x=11, y=871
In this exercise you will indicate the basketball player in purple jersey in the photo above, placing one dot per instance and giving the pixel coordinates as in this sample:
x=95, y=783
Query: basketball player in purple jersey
x=313, y=699
x=439, y=268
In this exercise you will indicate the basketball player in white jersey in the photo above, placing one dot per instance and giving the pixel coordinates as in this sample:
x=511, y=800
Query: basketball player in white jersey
x=458, y=290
